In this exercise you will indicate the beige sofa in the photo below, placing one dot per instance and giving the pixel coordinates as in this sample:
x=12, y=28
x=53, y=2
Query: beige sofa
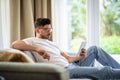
x=15, y=65
x=28, y=71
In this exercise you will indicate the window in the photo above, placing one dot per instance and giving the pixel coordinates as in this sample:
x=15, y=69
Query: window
x=65, y=23
x=72, y=23
x=83, y=20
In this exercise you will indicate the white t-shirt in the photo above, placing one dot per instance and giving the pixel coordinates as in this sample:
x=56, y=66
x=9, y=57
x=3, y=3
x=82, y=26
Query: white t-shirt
x=53, y=50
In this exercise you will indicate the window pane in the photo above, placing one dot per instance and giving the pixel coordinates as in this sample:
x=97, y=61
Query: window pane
x=77, y=18
x=110, y=25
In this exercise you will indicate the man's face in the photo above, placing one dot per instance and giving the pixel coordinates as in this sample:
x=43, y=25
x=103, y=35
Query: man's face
x=45, y=31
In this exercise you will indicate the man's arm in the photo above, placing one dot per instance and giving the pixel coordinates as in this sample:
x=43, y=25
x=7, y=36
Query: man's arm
x=21, y=45
x=75, y=58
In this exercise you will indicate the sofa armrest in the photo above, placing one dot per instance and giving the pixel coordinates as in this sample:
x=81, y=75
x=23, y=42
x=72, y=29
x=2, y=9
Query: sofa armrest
x=34, y=71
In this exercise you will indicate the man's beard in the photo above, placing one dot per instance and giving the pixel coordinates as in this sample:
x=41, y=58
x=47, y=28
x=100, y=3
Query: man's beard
x=45, y=36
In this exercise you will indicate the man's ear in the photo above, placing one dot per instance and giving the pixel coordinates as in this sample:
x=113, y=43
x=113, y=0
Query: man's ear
x=37, y=30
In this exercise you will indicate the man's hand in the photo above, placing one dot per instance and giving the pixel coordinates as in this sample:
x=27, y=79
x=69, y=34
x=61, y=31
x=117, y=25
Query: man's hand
x=83, y=53
x=43, y=53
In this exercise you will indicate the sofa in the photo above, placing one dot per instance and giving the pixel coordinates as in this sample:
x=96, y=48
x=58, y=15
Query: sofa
x=28, y=71
x=25, y=65
x=16, y=65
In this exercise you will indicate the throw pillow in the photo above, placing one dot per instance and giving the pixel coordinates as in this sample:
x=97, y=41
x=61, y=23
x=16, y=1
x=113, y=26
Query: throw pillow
x=14, y=55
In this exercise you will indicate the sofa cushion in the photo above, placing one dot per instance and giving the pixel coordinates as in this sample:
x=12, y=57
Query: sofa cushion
x=14, y=55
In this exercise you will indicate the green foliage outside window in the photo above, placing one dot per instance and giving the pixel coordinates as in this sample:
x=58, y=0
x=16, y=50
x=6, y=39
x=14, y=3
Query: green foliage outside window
x=77, y=17
x=109, y=28
x=110, y=45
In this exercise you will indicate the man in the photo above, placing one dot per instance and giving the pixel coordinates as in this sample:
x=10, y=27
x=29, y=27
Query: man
x=78, y=66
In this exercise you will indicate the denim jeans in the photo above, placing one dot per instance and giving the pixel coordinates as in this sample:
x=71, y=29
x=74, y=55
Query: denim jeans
x=84, y=69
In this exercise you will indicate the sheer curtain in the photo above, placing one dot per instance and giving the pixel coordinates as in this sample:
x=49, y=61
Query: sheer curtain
x=60, y=24
x=4, y=24
x=93, y=37
x=17, y=18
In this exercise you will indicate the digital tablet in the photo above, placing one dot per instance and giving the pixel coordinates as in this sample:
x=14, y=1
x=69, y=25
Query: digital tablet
x=83, y=45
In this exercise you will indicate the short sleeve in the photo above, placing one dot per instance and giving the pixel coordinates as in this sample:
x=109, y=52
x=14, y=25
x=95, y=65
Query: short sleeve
x=28, y=40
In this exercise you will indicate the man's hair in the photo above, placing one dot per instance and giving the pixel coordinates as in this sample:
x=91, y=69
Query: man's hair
x=40, y=22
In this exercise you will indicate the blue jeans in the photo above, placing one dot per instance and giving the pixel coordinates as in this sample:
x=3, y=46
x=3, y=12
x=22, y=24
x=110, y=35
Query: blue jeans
x=84, y=69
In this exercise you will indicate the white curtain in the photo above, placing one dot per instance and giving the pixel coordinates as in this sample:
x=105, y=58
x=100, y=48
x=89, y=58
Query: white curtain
x=4, y=24
x=93, y=37
x=60, y=23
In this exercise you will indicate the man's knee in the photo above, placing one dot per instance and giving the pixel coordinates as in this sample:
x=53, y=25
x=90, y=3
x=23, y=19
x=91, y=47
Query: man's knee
x=92, y=49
